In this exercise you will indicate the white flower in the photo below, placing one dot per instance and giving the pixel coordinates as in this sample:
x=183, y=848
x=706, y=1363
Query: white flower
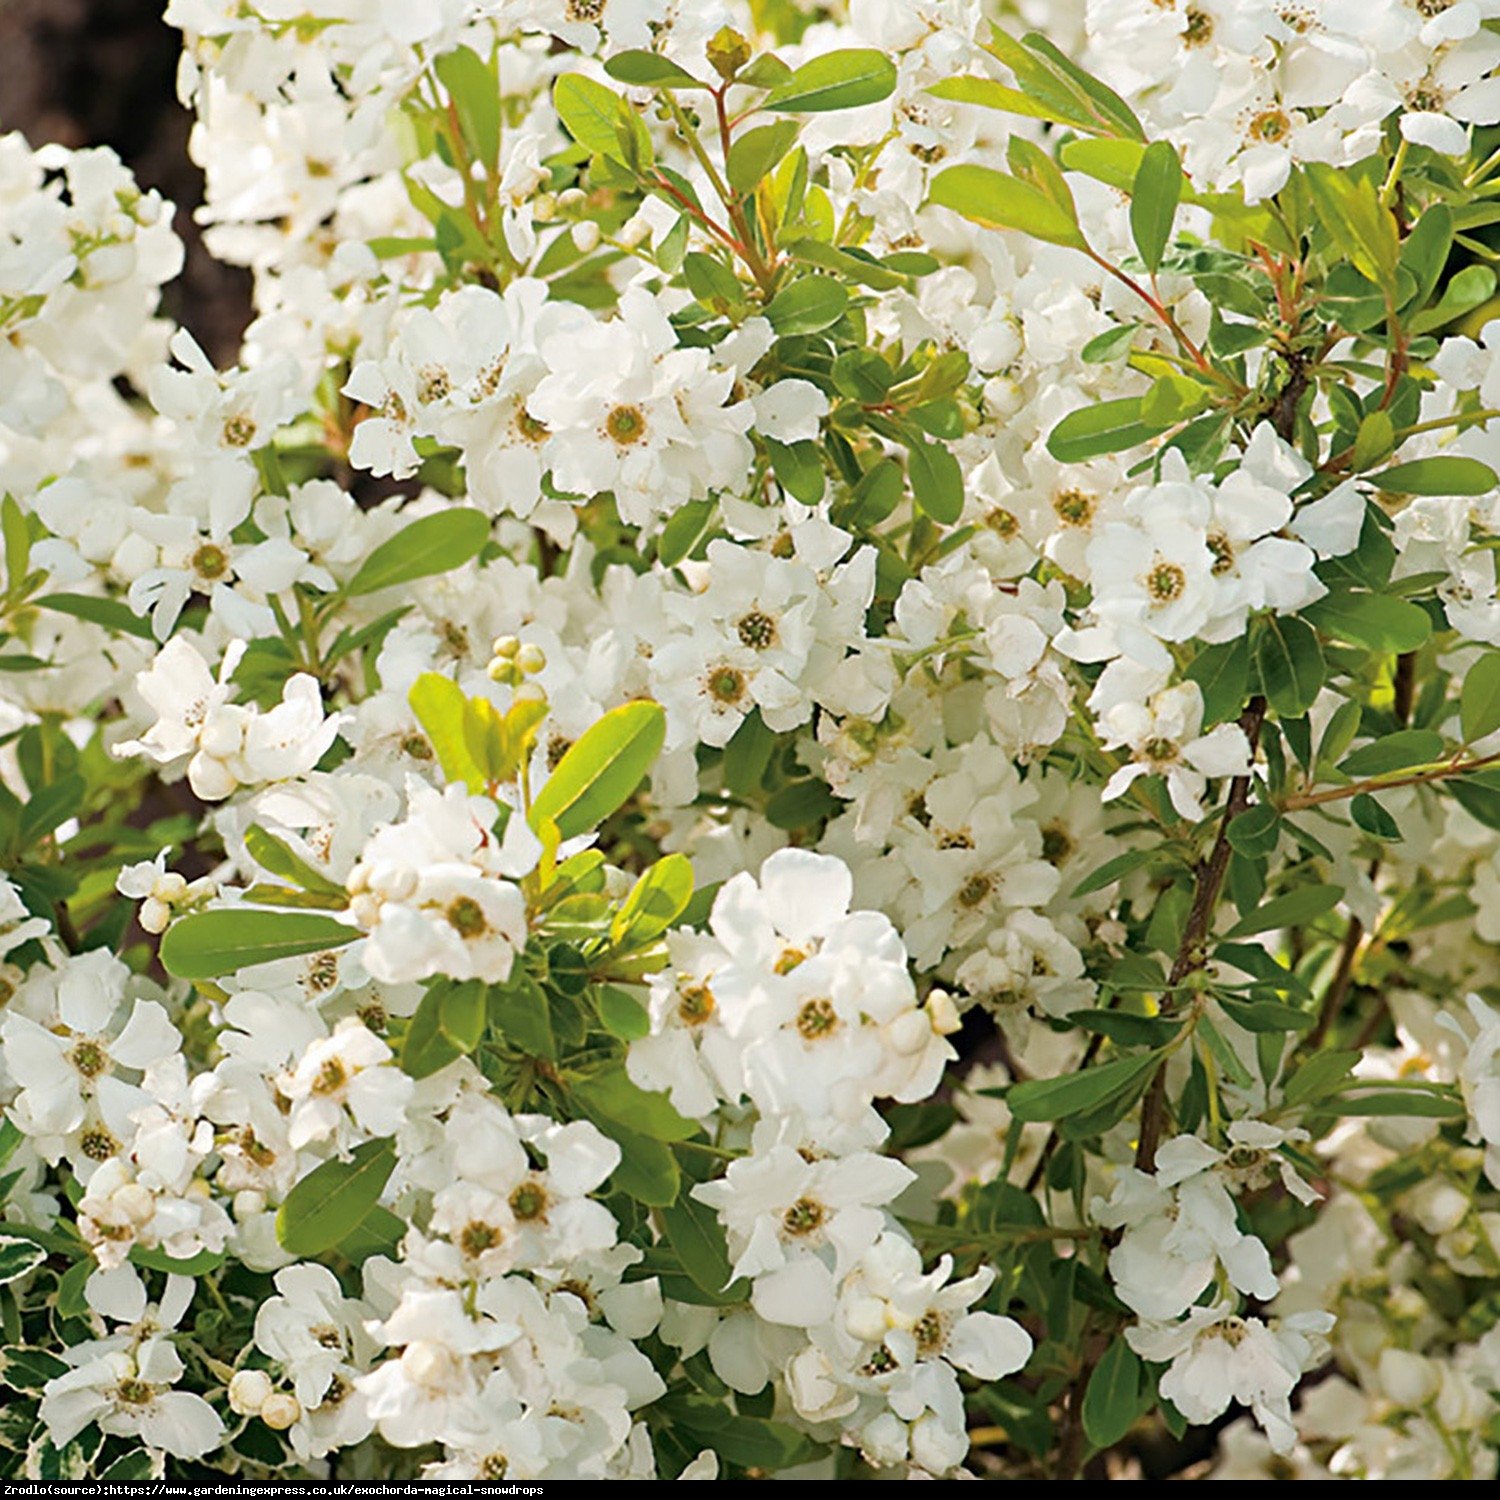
x=354, y=1070
x=1218, y=1358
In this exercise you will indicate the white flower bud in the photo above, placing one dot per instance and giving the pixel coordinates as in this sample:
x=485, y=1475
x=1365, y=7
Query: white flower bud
x=1407, y=1378
x=168, y=887
x=134, y=1203
x=585, y=236
x=426, y=1364
x=211, y=779
x=909, y=1032
x=506, y=645
x=530, y=692
x=531, y=659
x=943, y=1013
x=865, y=1318
x=280, y=1411
x=248, y=1391
x=221, y=736
x=365, y=909
x=249, y=1203
x=571, y=198
x=155, y=915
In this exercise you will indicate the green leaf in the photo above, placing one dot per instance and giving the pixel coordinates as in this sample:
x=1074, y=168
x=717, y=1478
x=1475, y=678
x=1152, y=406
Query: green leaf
x=1479, y=700
x=1319, y=1075
x=1103, y=428
x=648, y=1171
x=113, y=614
x=1041, y=1099
x=1410, y=1103
x=1472, y=287
x=601, y=769
x=807, y=306
x=656, y=900
x=1450, y=475
x=684, y=531
x=937, y=481
x=693, y=1230
x=611, y=1095
x=846, y=79
x=1265, y=1015
x=756, y=152
x=1112, y=1401
x=18, y=1257
x=1256, y=831
x=434, y=544
x=1394, y=752
x=622, y=1015
x=593, y=115
x=748, y=753
x=449, y=1023
x=1154, y=197
x=1112, y=870
x=1126, y=1028
x=211, y=944
x=441, y=708
x=178, y=1265
x=801, y=804
x=1425, y=250
x=641, y=69
x=521, y=1016
x=1340, y=732
x=28, y=1370
x=273, y=856
x=475, y=92
x=1105, y=348
x=1373, y=818
x=1223, y=675
x=331, y=1201
x=997, y=200
x=1374, y=621
x=1291, y=664
x=1296, y=908
x=798, y=468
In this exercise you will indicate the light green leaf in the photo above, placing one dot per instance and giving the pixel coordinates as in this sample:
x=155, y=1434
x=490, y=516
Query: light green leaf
x=449, y=1023
x=475, y=92
x=441, y=707
x=656, y=900
x=604, y=765
x=273, y=855
x=999, y=201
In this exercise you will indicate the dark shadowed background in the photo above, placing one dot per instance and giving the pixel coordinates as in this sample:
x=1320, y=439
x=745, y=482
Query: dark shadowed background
x=103, y=73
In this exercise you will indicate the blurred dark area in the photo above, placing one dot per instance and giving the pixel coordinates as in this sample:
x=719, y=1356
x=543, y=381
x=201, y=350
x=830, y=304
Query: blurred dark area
x=103, y=73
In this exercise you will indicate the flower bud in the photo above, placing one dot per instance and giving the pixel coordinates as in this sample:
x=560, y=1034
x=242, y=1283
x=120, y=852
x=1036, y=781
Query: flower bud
x=280, y=1411
x=531, y=659
x=168, y=887
x=249, y=1391
x=506, y=645
x=1407, y=1378
x=865, y=1318
x=249, y=1204
x=155, y=915
x=943, y=1013
x=909, y=1032
x=544, y=208
x=134, y=1203
x=571, y=198
x=727, y=52
x=585, y=236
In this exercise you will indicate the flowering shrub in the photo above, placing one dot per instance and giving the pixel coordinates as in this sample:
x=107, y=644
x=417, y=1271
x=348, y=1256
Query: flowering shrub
x=801, y=773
